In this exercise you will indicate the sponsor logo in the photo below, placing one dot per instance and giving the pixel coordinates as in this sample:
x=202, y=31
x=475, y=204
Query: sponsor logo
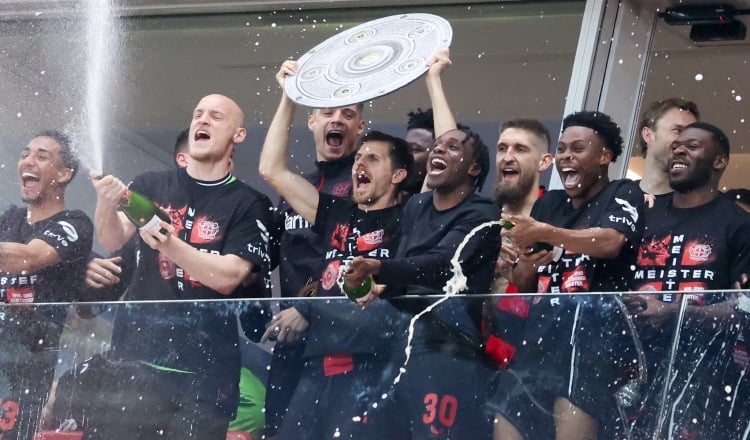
x=70, y=235
x=292, y=222
x=70, y=231
x=628, y=208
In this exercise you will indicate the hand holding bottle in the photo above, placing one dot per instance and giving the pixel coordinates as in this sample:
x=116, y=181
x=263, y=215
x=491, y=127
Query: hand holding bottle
x=144, y=213
x=109, y=189
x=358, y=283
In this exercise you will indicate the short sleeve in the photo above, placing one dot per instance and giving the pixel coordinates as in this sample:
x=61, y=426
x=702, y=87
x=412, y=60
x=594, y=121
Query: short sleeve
x=70, y=235
x=249, y=237
x=624, y=213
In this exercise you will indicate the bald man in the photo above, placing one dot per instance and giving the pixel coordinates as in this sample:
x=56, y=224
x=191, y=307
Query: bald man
x=184, y=357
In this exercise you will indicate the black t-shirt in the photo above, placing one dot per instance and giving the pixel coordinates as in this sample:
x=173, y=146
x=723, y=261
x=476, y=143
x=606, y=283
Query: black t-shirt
x=688, y=251
x=300, y=248
x=340, y=326
x=222, y=217
x=693, y=249
x=581, y=346
x=350, y=232
x=422, y=267
x=30, y=333
x=70, y=233
x=618, y=207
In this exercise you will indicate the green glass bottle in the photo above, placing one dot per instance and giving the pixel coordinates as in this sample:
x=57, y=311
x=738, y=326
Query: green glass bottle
x=536, y=246
x=142, y=212
x=361, y=292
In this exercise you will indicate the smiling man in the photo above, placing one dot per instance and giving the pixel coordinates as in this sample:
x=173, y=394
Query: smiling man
x=447, y=342
x=557, y=385
x=43, y=254
x=661, y=123
x=697, y=240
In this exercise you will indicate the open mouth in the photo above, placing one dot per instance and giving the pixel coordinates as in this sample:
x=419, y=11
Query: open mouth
x=202, y=135
x=334, y=138
x=438, y=165
x=362, y=179
x=678, y=166
x=509, y=173
x=570, y=178
x=29, y=179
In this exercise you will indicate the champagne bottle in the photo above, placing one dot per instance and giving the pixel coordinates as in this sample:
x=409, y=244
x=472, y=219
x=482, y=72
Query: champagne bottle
x=362, y=292
x=536, y=246
x=142, y=212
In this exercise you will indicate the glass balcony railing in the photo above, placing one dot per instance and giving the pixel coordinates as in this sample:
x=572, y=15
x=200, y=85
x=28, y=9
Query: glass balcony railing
x=637, y=367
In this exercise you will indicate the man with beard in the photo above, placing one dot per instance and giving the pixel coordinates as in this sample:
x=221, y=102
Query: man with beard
x=179, y=362
x=661, y=122
x=705, y=245
x=43, y=254
x=563, y=383
x=346, y=348
x=522, y=156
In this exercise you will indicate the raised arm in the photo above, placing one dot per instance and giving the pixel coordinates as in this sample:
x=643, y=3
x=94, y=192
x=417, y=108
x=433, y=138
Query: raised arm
x=113, y=229
x=441, y=111
x=301, y=195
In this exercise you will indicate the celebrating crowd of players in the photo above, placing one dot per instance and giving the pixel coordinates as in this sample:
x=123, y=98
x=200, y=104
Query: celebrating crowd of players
x=564, y=363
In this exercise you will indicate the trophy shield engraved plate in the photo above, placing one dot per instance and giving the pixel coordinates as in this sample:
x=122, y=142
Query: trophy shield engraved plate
x=367, y=61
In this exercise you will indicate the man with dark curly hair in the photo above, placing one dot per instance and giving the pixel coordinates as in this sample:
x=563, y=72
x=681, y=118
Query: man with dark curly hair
x=564, y=380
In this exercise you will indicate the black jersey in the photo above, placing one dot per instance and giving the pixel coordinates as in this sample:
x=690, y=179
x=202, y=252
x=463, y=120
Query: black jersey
x=618, y=207
x=31, y=334
x=70, y=233
x=693, y=249
x=340, y=326
x=688, y=251
x=300, y=248
x=583, y=345
x=422, y=266
x=222, y=217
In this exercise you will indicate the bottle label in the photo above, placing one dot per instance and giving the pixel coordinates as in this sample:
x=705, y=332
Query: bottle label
x=151, y=224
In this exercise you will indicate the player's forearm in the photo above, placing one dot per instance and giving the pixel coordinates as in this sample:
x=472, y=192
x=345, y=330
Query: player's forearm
x=595, y=242
x=222, y=273
x=273, y=156
x=441, y=111
x=21, y=258
x=112, y=229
